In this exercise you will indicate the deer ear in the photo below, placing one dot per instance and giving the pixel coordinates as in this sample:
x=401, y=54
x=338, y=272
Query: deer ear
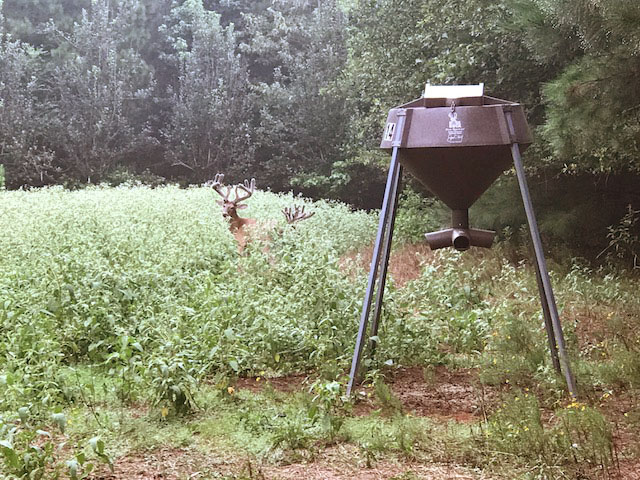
x=240, y=207
x=220, y=202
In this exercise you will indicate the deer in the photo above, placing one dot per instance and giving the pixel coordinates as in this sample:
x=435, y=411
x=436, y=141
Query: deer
x=296, y=214
x=231, y=206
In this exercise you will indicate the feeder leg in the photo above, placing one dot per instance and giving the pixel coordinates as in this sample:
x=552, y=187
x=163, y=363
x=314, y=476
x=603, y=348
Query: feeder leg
x=392, y=185
x=541, y=262
x=386, y=249
x=548, y=324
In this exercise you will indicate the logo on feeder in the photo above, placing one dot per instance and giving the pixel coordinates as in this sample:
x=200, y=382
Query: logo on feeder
x=455, y=130
x=389, y=131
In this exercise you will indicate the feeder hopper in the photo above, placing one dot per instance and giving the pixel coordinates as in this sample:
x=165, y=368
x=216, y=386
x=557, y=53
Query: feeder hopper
x=456, y=142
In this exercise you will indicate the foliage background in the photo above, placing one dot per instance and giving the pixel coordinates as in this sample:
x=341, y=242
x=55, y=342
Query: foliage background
x=295, y=92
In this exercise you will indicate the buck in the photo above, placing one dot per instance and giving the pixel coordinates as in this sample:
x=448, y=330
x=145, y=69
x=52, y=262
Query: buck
x=295, y=214
x=230, y=207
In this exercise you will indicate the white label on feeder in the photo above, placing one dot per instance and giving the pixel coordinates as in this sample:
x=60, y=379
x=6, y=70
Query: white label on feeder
x=389, y=131
x=455, y=130
x=453, y=91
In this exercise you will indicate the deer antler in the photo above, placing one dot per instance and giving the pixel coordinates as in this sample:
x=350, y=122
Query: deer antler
x=218, y=186
x=296, y=214
x=247, y=187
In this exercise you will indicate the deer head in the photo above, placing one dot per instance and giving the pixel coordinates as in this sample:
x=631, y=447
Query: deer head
x=241, y=192
x=295, y=214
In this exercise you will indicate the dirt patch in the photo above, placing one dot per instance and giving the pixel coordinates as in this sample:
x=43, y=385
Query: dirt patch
x=168, y=464
x=381, y=471
x=406, y=262
x=596, y=327
x=345, y=462
x=438, y=393
x=622, y=410
x=337, y=463
x=286, y=384
x=629, y=470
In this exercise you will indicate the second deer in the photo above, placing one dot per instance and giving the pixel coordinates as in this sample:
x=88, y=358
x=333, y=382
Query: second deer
x=295, y=214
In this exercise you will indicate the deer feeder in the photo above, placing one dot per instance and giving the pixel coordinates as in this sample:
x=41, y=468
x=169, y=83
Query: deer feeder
x=456, y=141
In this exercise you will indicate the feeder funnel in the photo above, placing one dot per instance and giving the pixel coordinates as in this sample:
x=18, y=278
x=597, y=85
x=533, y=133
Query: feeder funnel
x=456, y=142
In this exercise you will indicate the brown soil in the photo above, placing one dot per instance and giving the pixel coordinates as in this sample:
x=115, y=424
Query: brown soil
x=169, y=464
x=440, y=393
x=341, y=463
x=406, y=262
x=288, y=384
x=338, y=463
x=617, y=408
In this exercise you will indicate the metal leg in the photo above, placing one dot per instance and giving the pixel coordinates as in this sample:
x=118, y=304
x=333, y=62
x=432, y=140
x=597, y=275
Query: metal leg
x=541, y=262
x=548, y=325
x=388, y=238
x=390, y=193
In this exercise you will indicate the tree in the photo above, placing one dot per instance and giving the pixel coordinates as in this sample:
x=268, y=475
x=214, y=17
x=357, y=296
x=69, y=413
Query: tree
x=23, y=114
x=26, y=19
x=397, y=46
x=593, y=102
x=297, y=52
x=98, y=82
x=209, y=129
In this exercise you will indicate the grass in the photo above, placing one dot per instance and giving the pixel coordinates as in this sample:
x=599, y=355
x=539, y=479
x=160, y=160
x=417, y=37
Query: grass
x=128, y=315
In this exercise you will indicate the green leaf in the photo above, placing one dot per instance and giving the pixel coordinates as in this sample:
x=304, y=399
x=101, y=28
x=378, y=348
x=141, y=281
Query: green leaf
x=6, y=444
x=97, y=445
x=73, y=468
x=23, y=413
x=230, y=334
x=60, y=420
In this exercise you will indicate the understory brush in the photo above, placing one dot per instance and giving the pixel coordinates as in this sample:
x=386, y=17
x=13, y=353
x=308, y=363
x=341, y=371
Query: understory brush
x=109, y=277
x=30, y=452
x=576, y=435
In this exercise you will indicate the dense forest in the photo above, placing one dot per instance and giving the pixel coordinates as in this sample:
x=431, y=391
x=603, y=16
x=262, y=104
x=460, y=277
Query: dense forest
x=295, y=93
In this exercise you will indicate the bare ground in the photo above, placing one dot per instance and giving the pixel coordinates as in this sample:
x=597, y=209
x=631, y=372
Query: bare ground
x=438, y=393
x=336, y=463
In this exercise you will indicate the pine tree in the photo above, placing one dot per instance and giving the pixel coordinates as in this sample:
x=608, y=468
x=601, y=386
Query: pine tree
x=297, y=52
x=98, y=82
x=593, y=103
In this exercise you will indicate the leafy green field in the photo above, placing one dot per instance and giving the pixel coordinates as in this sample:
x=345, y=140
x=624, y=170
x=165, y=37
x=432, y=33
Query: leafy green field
x=131, y=328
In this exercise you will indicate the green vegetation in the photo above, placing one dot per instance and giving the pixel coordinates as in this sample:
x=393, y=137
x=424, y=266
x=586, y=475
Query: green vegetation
x=132, y=327
x=130, y=324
